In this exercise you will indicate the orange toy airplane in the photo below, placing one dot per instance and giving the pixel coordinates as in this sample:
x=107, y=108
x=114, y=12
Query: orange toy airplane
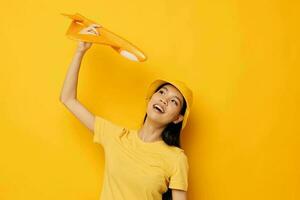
x=106, y=37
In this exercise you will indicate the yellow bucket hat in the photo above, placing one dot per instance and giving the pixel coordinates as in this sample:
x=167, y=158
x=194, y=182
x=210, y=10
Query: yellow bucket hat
x=181, y=86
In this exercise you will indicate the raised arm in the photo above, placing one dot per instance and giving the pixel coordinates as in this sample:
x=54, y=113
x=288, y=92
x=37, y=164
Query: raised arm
x=68, y=95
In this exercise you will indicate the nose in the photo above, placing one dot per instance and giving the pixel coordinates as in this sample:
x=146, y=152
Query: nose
x=164, y=101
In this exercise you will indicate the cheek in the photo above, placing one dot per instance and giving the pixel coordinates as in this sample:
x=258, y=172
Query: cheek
x=149, y=105
x=173, y=111
x=152, y=100
x=174, y=108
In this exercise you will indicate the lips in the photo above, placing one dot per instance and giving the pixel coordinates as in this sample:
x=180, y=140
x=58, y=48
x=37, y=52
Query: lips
x=159, y=107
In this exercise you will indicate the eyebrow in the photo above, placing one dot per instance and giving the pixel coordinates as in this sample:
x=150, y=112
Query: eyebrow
x=175, y=96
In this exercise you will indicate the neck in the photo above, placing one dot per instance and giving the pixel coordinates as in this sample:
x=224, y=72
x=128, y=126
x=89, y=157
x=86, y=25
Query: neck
x=150, y=131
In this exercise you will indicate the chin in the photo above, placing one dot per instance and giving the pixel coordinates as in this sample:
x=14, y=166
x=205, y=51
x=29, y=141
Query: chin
x=156, y=117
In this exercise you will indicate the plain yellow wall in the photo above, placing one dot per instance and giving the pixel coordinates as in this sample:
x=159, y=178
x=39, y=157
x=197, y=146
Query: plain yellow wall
x=241, y=58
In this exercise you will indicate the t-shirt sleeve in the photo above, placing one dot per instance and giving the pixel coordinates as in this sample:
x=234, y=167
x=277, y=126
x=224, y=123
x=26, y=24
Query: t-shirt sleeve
x=179, y=178
x=104, y=130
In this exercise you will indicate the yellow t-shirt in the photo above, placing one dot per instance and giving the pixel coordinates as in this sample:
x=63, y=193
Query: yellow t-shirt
x=135, y=169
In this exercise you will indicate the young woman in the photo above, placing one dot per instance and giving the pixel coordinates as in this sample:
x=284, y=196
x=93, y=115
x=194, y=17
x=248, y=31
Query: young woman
x=141, y=164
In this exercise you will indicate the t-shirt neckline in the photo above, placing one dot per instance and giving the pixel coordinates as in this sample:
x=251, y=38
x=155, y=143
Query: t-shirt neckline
x=146, y=143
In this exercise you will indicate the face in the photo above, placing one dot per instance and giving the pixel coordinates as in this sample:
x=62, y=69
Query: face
x=165, y=105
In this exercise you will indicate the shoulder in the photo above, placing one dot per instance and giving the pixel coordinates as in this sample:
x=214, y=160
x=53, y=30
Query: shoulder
x=177, y=151
x=105, y=124
x=176, y=155
x=181, y=155
x=105, y=130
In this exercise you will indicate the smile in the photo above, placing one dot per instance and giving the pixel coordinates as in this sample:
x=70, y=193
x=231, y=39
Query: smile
x=157, y=107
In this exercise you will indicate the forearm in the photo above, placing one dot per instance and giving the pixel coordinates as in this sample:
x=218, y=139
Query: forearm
x=69, y=90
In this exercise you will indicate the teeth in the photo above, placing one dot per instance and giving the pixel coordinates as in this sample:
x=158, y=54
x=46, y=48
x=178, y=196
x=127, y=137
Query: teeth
x=157, y=106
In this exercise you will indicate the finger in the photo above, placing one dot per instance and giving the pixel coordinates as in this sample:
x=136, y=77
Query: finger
x=95, y=30
x=91, y=31
x=86, y=32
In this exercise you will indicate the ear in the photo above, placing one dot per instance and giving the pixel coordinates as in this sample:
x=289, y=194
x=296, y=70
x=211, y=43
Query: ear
x=179, y=119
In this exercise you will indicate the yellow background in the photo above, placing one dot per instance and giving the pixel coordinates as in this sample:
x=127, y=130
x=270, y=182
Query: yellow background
x=241, y=59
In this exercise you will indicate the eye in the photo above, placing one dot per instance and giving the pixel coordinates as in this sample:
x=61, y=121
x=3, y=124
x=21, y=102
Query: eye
x=160, y=91
x=175, y=102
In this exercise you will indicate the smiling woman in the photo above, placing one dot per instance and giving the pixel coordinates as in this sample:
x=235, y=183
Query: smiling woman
x=143, y=163
x=168, y=93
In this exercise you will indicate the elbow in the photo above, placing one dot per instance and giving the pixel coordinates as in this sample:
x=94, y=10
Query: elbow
x=62, y=99
x=65, y=99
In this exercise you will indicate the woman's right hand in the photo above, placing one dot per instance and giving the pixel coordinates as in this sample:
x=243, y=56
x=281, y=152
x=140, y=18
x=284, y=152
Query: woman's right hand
x=90, y=30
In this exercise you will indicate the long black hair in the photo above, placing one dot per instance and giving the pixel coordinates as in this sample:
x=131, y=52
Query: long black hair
x=171, y=136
